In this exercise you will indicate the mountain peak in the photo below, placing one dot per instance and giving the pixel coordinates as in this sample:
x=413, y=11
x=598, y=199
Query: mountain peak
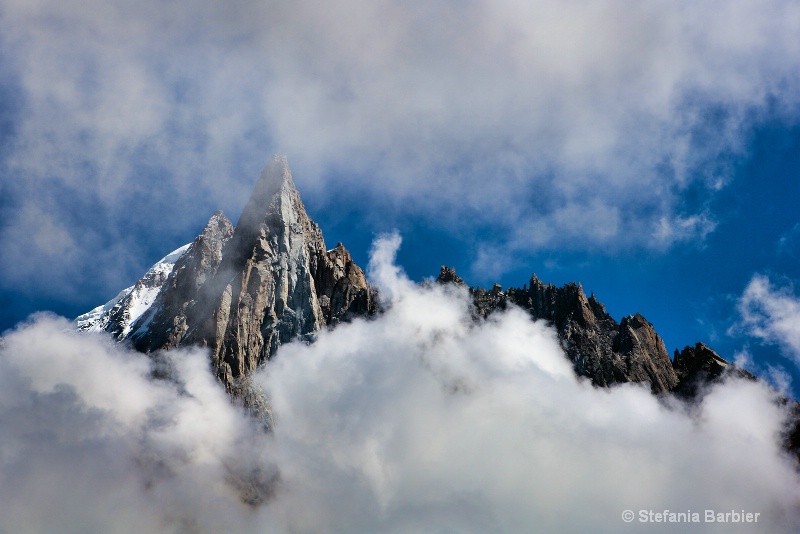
x=276, y=175
x=274, y=184
x=600, y=349
x=448, y=275
x=274, y=282
x=244, y=291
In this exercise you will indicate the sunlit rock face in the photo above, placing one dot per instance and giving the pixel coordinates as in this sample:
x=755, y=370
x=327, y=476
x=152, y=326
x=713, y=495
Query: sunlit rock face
x=243, y=291
x=277, y=282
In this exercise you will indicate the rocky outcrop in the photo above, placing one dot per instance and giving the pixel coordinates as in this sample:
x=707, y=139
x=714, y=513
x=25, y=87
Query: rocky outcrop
x=698, y=366
x=447, y=275
x=644, y=353
x=342, y=288
x=600, y=349
x=603, y=350
x=698, y=361
x=178, y=306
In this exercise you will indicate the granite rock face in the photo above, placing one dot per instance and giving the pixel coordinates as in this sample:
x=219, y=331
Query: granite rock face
x=265, y=286
x=276, y=282
x=243, y=291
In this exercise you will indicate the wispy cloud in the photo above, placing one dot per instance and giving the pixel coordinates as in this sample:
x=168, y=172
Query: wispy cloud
x=789, y=243
x=418, y=420
x=580, y=124
x=772, y=314
x=680, y=228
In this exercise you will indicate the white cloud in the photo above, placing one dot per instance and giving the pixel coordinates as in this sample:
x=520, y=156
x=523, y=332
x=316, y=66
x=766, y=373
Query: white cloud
x=92, y=444
x=523, y=115
x=772, y=314
x=433, y=423
x=418, y=420
x=683, y=228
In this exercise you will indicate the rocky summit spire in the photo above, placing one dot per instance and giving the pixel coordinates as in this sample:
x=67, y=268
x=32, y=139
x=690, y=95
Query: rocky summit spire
x=243, y=291
x=275, y=178
x=266, y=282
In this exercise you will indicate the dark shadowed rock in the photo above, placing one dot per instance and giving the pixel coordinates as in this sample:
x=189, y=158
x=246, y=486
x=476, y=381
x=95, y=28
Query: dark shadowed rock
x=600, y=349
x=447, y=275
x=342, y=287
x=603, y=350
x=488, y=301
x=176, y=309
x=791, y=435
x=699, y=366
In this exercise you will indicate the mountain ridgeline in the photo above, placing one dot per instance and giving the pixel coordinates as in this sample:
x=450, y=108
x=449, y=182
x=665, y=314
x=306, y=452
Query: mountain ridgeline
x=601, y=349
x=244, y=290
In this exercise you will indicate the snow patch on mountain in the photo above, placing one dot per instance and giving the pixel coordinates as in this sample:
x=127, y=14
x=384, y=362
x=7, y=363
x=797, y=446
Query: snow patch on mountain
x=118, y=314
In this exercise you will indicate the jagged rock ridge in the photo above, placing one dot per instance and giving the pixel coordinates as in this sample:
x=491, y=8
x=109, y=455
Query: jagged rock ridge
x=243, y=291
x=169, y=320
x=608, y=353
x=600, y=348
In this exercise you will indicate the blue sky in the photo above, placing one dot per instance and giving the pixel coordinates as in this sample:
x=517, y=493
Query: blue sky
x=649, y=152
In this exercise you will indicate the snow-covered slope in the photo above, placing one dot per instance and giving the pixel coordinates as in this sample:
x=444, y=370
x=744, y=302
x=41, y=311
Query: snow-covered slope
x=118, y=314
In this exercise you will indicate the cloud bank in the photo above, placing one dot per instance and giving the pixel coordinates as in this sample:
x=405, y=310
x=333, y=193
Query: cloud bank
x=591, y=124
x=419, y=420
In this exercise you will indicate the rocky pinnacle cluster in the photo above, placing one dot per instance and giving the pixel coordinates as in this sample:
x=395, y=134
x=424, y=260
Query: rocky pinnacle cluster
x=244, y=290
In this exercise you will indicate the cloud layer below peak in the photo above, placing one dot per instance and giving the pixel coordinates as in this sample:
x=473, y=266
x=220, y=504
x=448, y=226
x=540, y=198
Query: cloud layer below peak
x=417, y=420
